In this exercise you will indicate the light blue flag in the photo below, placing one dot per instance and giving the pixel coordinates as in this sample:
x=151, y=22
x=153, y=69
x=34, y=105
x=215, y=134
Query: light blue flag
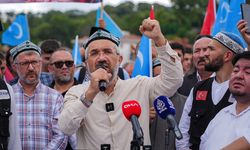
x=111, y=26
x=76, y=53
x=234, y=16
x=17, y=32
x=143, y=62
x=228, y=15
x=221, y=17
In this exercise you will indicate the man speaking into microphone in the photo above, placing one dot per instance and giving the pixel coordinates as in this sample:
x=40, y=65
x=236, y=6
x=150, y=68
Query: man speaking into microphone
x=94, y=111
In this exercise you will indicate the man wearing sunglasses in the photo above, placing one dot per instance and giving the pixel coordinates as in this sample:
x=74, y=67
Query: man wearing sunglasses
x=97, y=115
x=38, y=106
x=62, y=69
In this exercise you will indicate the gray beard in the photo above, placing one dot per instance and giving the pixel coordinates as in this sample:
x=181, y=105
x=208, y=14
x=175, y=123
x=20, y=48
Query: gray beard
x=63, y=80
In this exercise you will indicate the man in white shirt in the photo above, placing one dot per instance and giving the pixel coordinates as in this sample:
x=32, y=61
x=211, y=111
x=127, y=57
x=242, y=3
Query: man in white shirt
x=96, y=116
x=232, y=122
x=208, y=97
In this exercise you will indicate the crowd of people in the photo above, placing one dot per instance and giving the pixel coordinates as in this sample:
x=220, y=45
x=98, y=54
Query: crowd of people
x=51, y=105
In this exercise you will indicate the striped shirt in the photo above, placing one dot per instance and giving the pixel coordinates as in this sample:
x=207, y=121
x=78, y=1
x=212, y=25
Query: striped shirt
x=38, y=116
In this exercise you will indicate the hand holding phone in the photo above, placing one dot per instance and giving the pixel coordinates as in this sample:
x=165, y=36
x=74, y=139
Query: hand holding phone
x=245, y=12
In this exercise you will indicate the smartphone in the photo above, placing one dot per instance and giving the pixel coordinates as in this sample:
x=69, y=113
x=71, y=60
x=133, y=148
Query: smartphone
x=245, y=12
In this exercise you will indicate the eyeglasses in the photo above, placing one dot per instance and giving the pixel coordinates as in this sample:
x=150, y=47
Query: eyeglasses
x=25, y=64
x=59, y=64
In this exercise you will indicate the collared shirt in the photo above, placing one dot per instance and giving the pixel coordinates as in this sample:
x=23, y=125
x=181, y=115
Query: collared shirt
x=71, y=139
x=46, y=78
x=218, y=91
x=199, y=77
x=38, y=117
x=226, y=127
x=95, y=126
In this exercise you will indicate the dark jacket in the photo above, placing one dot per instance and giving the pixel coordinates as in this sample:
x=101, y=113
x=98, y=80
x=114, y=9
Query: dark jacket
x=188, y=83
x=159, y=126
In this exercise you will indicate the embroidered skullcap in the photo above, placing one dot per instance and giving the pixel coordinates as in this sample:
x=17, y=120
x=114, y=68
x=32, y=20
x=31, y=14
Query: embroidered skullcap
x=230, y=40
x=98, y=33
x=27, y=45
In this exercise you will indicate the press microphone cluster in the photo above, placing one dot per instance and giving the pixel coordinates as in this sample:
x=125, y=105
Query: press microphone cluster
x=132, y=110
x=165, y=110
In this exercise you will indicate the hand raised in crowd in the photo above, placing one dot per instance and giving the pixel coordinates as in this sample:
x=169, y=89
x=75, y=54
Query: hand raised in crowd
x=151, y=29
x=242, y=27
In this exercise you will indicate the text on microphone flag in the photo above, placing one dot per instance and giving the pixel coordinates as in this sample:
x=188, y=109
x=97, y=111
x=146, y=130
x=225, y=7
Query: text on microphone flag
x=131, y=107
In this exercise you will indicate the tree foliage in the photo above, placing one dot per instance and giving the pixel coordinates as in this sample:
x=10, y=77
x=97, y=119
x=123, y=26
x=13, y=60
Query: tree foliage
x=183, y=19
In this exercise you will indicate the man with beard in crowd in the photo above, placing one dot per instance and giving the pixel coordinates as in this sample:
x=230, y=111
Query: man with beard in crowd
x=62, y=69
x=38, y=106
x=96, y=115
x=191, y=78
x=208, y=97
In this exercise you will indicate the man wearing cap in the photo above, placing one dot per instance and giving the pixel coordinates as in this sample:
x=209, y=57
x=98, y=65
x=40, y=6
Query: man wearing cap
x=232, y=123
x=209, y=96
x=38, y=106
x=97, y=116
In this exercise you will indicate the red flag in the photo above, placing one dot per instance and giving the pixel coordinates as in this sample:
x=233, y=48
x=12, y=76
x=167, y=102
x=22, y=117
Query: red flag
x=209, y=18
x=152, y=14
x=8, y=75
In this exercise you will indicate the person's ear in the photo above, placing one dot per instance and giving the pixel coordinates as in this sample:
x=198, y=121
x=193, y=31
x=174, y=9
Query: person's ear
x=50, y=68
x=228, y=56
x=120, y=59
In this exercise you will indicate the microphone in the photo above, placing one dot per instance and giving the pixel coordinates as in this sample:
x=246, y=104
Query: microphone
x=165, y=109
x=102, y=83
x=132, y=110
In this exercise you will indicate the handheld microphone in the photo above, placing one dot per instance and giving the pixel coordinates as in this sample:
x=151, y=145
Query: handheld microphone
x=132, y=110
x=165, y=109
x=102, y=83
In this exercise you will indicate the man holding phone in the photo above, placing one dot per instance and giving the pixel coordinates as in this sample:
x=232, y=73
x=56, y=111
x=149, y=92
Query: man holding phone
x=243, y=27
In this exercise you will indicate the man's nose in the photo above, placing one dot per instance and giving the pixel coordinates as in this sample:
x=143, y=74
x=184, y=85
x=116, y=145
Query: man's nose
x=239, y=75
x=30, y=66
x=102, y=56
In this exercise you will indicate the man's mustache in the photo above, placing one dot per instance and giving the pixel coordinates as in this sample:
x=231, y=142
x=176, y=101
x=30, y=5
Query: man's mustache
x=201, y=60
x=103, y=65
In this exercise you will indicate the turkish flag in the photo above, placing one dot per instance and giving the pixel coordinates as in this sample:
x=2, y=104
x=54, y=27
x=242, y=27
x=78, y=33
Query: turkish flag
x=209, y=18
x=201, y=95
x=152, y=13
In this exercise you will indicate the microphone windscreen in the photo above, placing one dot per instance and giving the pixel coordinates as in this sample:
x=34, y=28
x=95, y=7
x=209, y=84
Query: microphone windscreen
x=131, y=107
x=164, y=107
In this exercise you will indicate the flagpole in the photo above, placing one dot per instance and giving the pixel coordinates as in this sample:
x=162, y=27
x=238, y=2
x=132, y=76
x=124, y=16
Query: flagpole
x=152, y=17
x=102, y=8
x=75, y=54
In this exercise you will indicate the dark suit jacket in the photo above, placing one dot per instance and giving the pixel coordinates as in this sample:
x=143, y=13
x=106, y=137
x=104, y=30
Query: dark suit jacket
x=188, y=83
x=159, y=126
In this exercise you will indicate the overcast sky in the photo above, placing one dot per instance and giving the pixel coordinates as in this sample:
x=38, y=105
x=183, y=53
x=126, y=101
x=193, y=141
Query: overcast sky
x=42, y=7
